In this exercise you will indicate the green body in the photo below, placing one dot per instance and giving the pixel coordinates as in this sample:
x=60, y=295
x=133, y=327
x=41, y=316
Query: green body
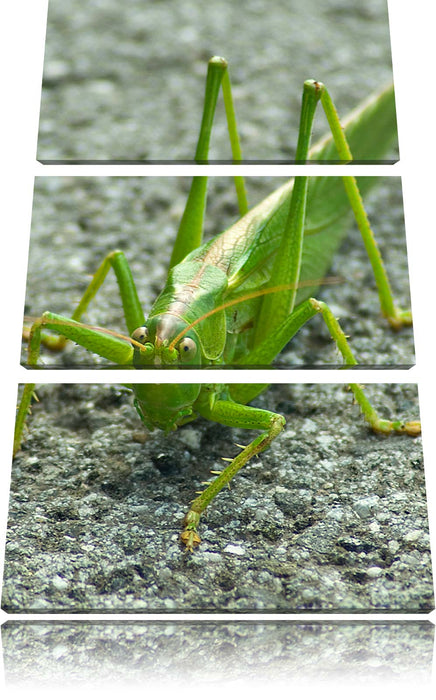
x=243, y=259
x=240, y=261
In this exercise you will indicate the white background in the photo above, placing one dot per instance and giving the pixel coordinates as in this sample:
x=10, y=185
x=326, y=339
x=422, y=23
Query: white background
x=22, y=47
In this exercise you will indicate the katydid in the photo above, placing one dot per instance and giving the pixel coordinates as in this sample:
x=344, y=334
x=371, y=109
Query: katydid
x=240, y=298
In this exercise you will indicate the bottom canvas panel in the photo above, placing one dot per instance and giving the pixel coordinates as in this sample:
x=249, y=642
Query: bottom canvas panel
x=332, y=517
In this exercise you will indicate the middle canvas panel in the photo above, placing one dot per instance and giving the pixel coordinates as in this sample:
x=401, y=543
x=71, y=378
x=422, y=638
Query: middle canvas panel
x=240, y=296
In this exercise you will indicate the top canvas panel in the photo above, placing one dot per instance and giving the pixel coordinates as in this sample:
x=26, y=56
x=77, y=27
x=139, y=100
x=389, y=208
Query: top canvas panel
x=125, y=82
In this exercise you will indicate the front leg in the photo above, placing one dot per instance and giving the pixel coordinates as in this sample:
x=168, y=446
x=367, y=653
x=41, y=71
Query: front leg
x=234, y=415
x=133, y=313
x=117, y=350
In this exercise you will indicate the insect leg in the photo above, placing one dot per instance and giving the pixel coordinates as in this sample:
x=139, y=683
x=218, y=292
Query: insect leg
x=275, y=308
x=370, y=129
x=232, y=414
x=133, y=312
x=190, y=233
x=396, y=317
x=265, y=353
x=22, y=413
x=114, y=349
x=378, y=424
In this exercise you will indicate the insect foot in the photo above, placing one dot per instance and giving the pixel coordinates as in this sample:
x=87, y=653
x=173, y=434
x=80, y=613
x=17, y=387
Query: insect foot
x=400, y=319
x=412, y=428
x=189, y=535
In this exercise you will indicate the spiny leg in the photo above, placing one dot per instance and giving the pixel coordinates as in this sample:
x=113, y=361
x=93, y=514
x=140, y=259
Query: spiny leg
x=232, y=414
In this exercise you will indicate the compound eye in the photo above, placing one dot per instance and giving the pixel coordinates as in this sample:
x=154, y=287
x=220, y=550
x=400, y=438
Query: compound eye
x=187, y=349
x=140, y=335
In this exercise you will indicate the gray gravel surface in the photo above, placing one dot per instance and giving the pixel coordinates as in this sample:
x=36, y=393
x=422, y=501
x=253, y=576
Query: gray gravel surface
x=77, y=221
x=166, y=652
x=332, y=518
x=126, y=82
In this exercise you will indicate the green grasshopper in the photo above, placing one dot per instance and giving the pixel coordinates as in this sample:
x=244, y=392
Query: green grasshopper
x=238, y=299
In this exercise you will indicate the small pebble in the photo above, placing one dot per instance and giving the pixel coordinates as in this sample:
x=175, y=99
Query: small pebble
x=234, y=549
x=365, y=507
x=60, y=583
x=374, y=572
x=412, y=536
